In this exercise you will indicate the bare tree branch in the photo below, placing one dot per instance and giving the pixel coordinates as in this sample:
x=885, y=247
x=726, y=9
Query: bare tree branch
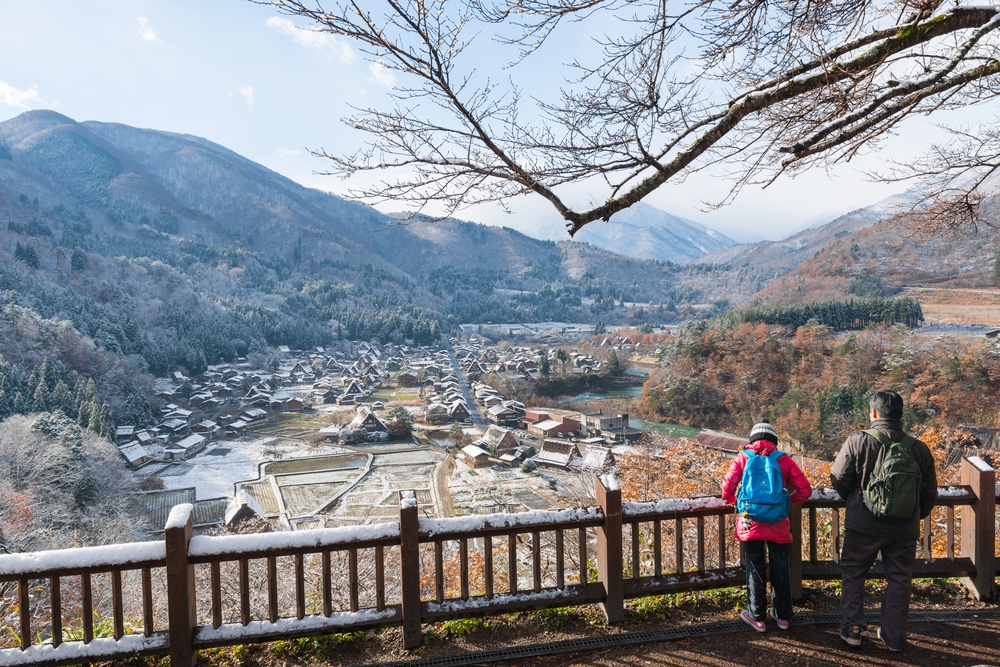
x=758, y=87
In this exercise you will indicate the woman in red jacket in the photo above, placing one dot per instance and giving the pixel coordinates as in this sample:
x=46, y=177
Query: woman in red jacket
x=773, y=538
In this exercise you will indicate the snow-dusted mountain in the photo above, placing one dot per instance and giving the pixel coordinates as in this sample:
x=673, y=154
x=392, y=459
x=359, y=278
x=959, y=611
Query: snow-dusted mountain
x=646, y=232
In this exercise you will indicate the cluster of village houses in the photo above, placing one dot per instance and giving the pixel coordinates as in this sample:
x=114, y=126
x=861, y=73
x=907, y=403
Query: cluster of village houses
x=229, y=400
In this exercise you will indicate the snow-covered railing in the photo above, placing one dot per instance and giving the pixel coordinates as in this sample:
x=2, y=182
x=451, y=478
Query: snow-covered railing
x=512, y=578
x=679, y=544
x=243, y=589
x=53, y=586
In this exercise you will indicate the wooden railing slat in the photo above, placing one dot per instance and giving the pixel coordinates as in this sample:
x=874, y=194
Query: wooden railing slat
x=560, y=559
x=352, y=569
x=463, y=565
x=701, y=543
x=244, y=591
x=950, y=532
x=927, y=538
x=536, y=560
x=512, y=561
x=272, y=588
x=657, y=549
x=147, y=601
x=438, y=571
x=86, y=593
x=379, y=578
x=488, y=562
x=679, y=546
x=722, y=541
x=216, y=585
x=55, y=596
x=327, y=583
x=300, y=587
x=835, y=528
x=813, y=537
x=24, y=595
x=636, y=574
x=117, y=603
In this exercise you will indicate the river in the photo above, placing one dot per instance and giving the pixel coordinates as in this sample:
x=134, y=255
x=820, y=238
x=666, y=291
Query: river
x=664, y=428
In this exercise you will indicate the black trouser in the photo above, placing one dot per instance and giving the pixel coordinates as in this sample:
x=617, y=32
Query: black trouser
x=856, y=558
x=780, y=577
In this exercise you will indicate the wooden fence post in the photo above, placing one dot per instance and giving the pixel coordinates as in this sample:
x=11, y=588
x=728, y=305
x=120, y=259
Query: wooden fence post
x=795, y=553
x=979, y=526
x=409, y=559
x=609, y=548
x=181, y=604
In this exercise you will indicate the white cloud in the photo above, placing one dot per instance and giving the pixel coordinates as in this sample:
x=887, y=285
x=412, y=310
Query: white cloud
x=22, y=99
x=287, y=152
x=247, y=93
x=146, y=31
x=382, y=74
x=311, y=38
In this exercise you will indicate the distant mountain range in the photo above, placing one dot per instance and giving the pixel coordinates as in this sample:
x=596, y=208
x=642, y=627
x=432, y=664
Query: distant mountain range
x=644, y=232
x=155, y=229
x=648, y=233
x=158, y=227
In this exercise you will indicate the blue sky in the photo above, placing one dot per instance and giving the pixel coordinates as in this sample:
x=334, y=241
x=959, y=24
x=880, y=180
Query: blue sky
x=238, y=74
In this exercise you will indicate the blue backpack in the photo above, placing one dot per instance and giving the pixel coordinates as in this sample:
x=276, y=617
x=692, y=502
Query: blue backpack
x=762, y=495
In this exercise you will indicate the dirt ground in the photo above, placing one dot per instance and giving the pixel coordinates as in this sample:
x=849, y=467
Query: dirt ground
x=966, y=642
x=932, y=644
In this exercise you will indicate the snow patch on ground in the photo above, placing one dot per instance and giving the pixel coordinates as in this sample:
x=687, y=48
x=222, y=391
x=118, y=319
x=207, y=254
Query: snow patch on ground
x=215, y=476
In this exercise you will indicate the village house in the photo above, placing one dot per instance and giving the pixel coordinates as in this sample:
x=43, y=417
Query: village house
x=254, y=416
x=185, y=448
x=556, y=453
x=207, y=428
x=596, y=459
x=475, y=457
x=614, y=427
x=502, y=414
x=367, y=420
x=458, y=411
x=134, y=453
x=557, y=426
x=124, y=433
x=436, y=413
x=242, y=507
x=498, y=441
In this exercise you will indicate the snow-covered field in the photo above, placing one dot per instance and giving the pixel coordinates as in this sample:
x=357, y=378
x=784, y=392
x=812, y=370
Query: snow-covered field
x=215, y=471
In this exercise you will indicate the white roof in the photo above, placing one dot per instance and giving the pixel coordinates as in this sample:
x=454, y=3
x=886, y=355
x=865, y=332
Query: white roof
x=133, y=452
x=474, y=452
x=188, y=442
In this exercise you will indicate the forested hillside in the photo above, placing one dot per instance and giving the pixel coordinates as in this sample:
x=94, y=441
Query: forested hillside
x=814, y=384
x=61, y=486
x=158, y=251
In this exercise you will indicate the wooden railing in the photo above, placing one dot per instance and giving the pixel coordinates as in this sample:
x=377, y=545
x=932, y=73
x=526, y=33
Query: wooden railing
x=193, y=592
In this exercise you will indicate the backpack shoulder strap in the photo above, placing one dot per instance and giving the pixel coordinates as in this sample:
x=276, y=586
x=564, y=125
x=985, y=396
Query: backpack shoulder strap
x=881, y=437
x=906, y=441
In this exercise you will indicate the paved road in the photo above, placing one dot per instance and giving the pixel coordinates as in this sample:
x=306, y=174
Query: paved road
x=477, y=415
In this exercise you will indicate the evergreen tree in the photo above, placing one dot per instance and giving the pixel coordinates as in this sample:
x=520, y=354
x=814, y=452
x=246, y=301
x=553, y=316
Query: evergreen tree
x=62, y=399
x=39, y=401
x=612, y=365
x=78, y=259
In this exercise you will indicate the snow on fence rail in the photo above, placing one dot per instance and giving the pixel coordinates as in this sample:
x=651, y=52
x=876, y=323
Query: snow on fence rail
x=184, y=593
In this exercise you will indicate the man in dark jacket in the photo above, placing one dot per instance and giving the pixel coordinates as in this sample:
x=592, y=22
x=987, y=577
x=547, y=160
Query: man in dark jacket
x=866, y=536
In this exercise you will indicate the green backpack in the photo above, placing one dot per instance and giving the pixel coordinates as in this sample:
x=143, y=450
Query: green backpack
x=893, y=491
